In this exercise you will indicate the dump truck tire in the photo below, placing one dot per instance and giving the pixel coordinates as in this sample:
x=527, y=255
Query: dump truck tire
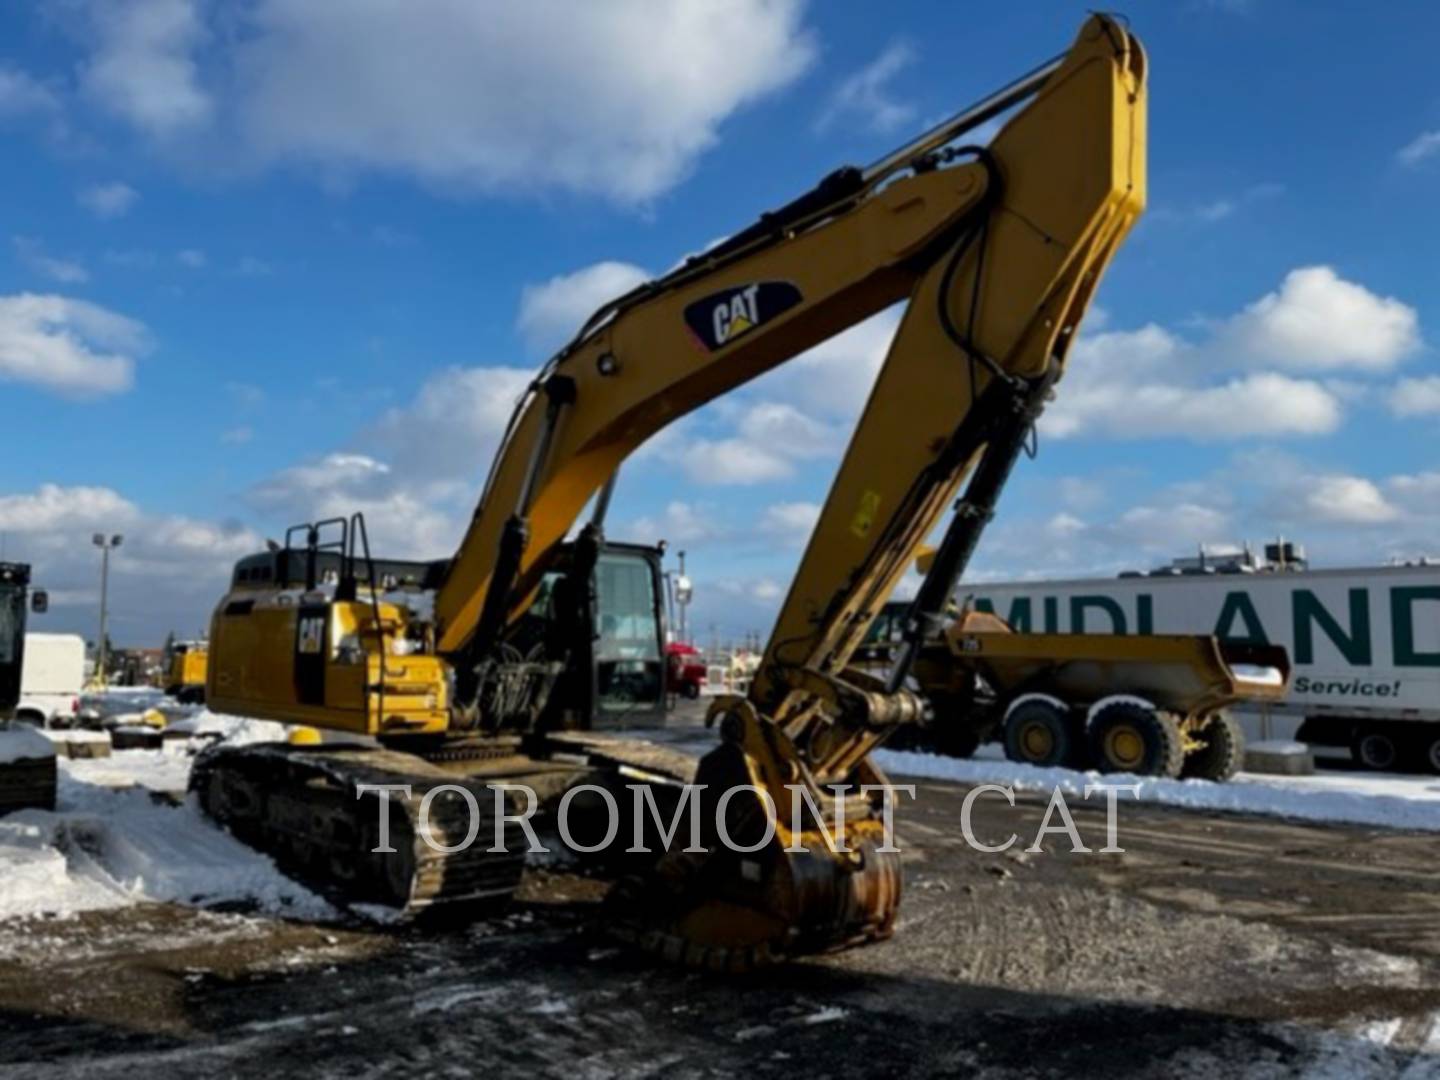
x=1128, y=737
x=1223, y=753
x=1038, y=732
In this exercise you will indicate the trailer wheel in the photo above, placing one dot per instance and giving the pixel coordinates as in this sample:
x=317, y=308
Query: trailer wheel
x=1038, y=732
x=1375, y=749
x=1128, y=737
x=1430, y=750
x=1223, y=753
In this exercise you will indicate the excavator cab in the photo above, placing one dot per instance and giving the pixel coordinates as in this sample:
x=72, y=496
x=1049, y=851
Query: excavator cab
x=319, y=631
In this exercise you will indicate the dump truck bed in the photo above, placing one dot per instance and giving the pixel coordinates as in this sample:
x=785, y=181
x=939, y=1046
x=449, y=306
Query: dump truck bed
x=1181, y=673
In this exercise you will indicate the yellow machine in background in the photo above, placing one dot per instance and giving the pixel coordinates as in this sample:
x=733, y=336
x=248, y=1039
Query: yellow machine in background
x=1153, y=704
x=483, y=667
x=186, y=670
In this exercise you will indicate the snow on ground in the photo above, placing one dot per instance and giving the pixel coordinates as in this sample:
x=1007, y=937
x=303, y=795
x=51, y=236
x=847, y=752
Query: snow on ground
x=111, y=841
x=1382, y=799
x=236, y=730
x=23, y=743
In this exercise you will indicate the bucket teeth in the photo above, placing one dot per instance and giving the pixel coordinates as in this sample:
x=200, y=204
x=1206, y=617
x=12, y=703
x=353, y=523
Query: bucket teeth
x=701, y=912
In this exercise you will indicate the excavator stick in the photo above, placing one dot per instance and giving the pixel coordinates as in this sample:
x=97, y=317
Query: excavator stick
x=993, y=309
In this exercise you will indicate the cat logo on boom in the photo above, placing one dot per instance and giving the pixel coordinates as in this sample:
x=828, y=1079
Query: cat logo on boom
x=720, y=318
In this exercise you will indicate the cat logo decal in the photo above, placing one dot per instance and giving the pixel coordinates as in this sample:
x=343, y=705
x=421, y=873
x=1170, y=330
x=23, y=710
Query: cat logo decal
x=720, y=318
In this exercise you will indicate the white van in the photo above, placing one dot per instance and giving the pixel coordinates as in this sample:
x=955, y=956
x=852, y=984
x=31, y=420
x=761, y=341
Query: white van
x=51, y=679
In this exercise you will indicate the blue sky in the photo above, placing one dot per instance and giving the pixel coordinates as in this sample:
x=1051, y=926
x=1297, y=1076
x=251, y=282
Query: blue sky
x=266, y=260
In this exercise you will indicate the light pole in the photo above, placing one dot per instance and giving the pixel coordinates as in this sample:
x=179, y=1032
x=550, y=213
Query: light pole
x=104, y=544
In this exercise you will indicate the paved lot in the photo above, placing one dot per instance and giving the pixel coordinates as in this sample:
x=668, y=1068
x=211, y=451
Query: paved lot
x=1213, y=945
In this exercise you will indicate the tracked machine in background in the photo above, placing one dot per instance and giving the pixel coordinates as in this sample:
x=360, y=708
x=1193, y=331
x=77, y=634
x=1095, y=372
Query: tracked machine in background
x=996, y=252
x=186, y=666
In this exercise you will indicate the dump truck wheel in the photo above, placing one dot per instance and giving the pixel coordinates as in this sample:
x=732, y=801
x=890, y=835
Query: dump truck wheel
x=1128, y=737
x=1375, y=749
x=1038, y=732
x=1223, y=753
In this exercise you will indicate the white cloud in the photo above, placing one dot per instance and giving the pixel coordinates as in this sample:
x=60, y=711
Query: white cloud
x=836, y=376
x=1215, y=211
x=420, y=473
x=1317, y=320
x=1416, y=397
x=193, y=258
x=1421, y=148
x=552, y=312
x=250, y=266
x=401, y=523
x=22, y=95
x=301, y=483
x=620, y=103
x=732, y=461
x=1264, y=404
x=1170, y=527
x=1151, y=383
x=237, y=436
x=142, y=67
x=1218, y=209
x=866, y=96
x=680, y=523
x=70, y=346
x=1346, y=500
x=52, y=508
x=108, y=201
x=1420, y=490
x=769, y=438
x=452, y=428
x=792, y=522
x=34, y=258
x=167, y=574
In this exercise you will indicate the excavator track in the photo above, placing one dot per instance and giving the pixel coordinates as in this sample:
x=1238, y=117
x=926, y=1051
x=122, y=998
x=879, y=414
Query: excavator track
x=304, y=807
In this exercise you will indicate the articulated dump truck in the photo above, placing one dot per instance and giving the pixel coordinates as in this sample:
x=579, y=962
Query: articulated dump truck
x=1154, y=706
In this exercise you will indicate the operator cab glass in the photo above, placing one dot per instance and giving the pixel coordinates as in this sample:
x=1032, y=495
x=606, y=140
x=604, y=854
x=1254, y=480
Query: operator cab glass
x=629, y=667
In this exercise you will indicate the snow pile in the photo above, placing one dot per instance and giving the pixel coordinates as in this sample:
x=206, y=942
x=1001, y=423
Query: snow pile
x=23, y=743
x=167, y=774
x=1364, y=799
x=111, y=841
x=206, y=727
x=106, y=848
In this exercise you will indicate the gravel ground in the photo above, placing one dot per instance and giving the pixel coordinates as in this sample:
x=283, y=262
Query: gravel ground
x=1214, y=945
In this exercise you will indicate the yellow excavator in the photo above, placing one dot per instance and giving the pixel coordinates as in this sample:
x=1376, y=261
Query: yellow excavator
x=484, y=669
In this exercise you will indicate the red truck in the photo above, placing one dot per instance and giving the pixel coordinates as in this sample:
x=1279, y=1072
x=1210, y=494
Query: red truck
x=685, y=669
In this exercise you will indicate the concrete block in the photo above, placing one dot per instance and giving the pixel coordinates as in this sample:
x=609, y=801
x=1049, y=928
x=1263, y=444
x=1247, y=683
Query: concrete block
x=1279, y=758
